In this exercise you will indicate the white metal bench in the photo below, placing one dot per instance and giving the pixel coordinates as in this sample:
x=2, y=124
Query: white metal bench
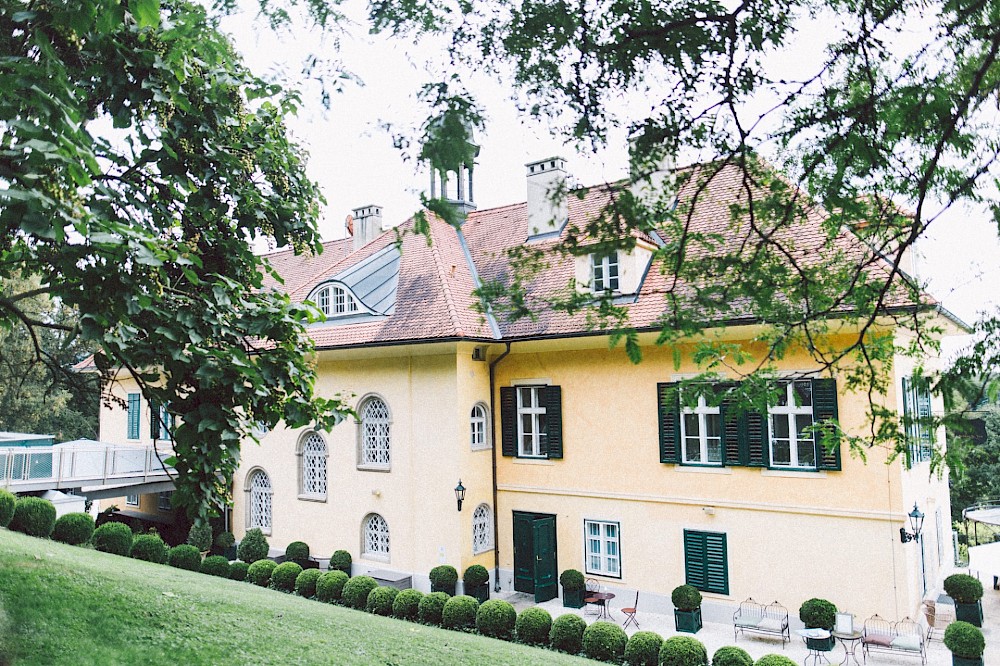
x=905, y=637
x=769, y=618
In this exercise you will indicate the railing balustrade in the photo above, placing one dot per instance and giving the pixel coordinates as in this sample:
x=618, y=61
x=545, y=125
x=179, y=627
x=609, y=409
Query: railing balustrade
x=74, y=466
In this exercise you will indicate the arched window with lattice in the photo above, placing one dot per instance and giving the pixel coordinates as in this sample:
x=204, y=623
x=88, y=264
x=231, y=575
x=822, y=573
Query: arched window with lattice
x=375, y=538
x=258, y=489
x=482, y=529
x=312, y=466
x=479, y=427
x=374, y=433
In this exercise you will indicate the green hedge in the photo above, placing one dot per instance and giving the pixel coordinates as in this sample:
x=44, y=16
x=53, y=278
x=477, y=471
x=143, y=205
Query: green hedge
x=380, y=600
x=149, y=547
x=683, y=651
x=8, y=501
x=533, y=626
x=305, y=583
x=496, y=618
x=238, y=571
x=566, y=634
x=963, y=588
x=818, y=614
x=775, y=660
x=341, y=561
x=429, y=610
x=406, y=606
x=114, y=538
x=605, y=641
x=284, y=575
x=686, y=597
x=297, y=551
x=184, y=556
x=259, y=572
x=964, y=640
x=330, y=586
x=459, y=613
x=73, y=528
x=33, y=516
x=253, y=547
x=216, y=565
x=356, y=591
x=643, y=649
x=200, y=536
x=731, y=655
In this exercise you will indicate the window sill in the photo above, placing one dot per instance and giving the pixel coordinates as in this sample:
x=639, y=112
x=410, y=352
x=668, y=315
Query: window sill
x=533, y=461
x=703, y=469
x=483, y=447
x=374, y=468
x=312, y=498
x=603, y=575
x=794, y=473
x=371, y=557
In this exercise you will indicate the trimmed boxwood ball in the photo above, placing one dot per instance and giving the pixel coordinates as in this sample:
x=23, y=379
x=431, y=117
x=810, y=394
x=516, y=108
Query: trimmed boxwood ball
x=731, y=656
x=305, y=583
x=430, y=607
x=605, y=641
x=818, y=614
x=200, y=536
x=533, y=626
x=149, y=547
x=406, y=605
x=253, y=547
x=775, y=660
x=341, y=561
x=184, y=556
x=964, y=640
x=356, y=591
x=566, y=634
x=443, y=578
x=238, y=571
x=259, y=572
x=216, y=565
x=643, y=649
x=683, y=651
x=330, y=586
x=284, y=575
x=7, y=502
x=223, y=541
x=496, y=618
x=34, y=516
x=686, y=597
x=475, y=576
x=73, y=528
x=296, y=551
x=963, y=588
x=459, y=613
x=114, y=538
x=380, y=600
x=572, y=580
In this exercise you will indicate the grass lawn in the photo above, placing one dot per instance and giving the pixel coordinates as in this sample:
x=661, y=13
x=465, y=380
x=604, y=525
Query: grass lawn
x=68, y=605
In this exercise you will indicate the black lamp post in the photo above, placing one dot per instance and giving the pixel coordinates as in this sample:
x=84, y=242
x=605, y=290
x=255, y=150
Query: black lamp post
x=460, y=493
x=916, y=523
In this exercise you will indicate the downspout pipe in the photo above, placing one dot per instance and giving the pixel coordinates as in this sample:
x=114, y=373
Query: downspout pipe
x=496, y=512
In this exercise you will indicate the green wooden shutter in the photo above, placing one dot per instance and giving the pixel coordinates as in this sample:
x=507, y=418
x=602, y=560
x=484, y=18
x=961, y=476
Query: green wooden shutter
x=732, y=423
x=551, y=398
x=154, y=420
x=508, y=420
x=668, y=408
x=824, y=392
x=133, y=416
x=694, y=559
x=754, y=449
x=706, y=561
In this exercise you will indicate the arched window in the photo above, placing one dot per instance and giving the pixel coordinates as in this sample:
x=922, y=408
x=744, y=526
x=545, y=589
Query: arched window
x=482, y=529
x=335, y=300
x=312, y=470
x=259, y=501
x=479, y=427
x=375, y=544
x=375, y=444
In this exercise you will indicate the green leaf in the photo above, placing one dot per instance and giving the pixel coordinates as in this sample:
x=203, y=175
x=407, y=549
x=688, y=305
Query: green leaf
x=145, y=12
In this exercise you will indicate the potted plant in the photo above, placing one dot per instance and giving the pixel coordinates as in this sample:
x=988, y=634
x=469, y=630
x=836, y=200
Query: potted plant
x=819, y=614
x=967, y=593
x=225, y=544
x=200, y=536
x=687, y=608
x=443, y=579
x=476, y=581
x=966, y=643
x=573, y=586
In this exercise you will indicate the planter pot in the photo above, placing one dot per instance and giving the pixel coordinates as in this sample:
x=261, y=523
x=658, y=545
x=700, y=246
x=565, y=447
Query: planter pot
x=308, y=564
x=971, y=613
x=966, y=661
x=688, y=621
x=480, y=592
x=820, y=644
x=447, y=589
x=230, y=553
x=573, y=598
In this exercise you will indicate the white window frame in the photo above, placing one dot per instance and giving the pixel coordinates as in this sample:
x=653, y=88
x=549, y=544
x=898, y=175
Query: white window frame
x=335, y=300
x=479, y=427
x=313, y=470
x=789, y=411
x=609, y=555
x=606, y=282
x=375, y=532
x=482, y=529
x=259, y=494
x=534, y=410
x=374, y=435
x=131, y=500
x=165, y=423
x=703, y=411
x=163, y=502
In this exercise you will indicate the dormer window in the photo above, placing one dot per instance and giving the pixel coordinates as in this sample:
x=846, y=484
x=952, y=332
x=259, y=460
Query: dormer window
x=335, y=300
x=604, y=272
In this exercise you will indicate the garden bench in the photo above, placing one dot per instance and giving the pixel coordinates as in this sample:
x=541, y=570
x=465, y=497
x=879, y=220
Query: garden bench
x=904, y=636
x=769, y=618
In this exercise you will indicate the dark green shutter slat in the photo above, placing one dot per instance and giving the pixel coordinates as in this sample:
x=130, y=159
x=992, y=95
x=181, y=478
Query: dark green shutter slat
x=668, y=409
x=824, y=393
x=694, y=559
x=133, y=416
x=731, y=425
x=716, y=563
x=551, y=398
x=154, y=420
x=754, y=444
x=908, y=427
x=508, y=420
x=926, y=440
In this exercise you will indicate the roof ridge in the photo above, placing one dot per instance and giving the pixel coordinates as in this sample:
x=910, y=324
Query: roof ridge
x=449, y=299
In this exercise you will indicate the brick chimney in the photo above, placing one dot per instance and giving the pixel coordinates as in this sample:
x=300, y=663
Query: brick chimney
x=547, y=208
x=367, y=224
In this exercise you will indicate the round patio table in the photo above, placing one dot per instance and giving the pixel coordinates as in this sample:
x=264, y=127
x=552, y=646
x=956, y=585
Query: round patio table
x=850, y=643
x=602, y=599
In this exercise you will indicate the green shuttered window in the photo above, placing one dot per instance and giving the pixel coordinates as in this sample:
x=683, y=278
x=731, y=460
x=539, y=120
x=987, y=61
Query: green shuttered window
x=706, y=564
x=916, y=418
x=133, y=416
x=531, y=421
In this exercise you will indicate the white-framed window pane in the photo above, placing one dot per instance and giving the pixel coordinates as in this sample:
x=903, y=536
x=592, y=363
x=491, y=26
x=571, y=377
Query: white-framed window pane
x=376, y=539
x=314, y=465
x=260, y=501
x=375, y=444
x=163, y=501
x=792, y=442
x=701, y=432
x=131, y=500
x=324, y=301
x=531, y=421
x=478, y=427
x=603, y=548
x=482, y=529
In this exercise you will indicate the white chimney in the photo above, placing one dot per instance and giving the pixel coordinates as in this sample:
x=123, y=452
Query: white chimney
x=651, y=176
x=367, y=224
x=547, y=208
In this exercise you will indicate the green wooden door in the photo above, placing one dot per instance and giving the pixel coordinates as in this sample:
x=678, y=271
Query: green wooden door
x=544, y=531
x=524, y=552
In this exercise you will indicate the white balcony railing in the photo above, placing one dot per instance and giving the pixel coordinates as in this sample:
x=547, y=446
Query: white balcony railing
x=60, y=466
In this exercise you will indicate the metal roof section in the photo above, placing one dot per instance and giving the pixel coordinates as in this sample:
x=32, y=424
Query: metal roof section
x=373, y=282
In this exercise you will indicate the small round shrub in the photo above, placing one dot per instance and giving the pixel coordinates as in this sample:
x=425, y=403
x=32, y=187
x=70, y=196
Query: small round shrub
x=566, y=634
x=459, y=613
x=305, y=583
x=215, y=565
x=643, y=649
x=406, y=606
x=605, y=641
x=114, y=538
x=533, y=626
x=330, y=586
x=572, y=580
x=200, y=536
x=238, y=571
x=253, y=547
x=731, y=656
x=818, y=614
x=475, y=576
x=297, y=551
x=775, y=660
x=443, y=578
x=380, y=600
x=964, y=640
x=356, y=591
x=430, y=607
x=7, y=502
x=73, y=528
x=284, y=575
x=963, y=588
x=683, y=651
x=149, y=547
x=686, y=597
x=223, y=541
x=259, y=572
x=184, y=556
x=341, y=561
x=34, y=516
x=496, y=618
